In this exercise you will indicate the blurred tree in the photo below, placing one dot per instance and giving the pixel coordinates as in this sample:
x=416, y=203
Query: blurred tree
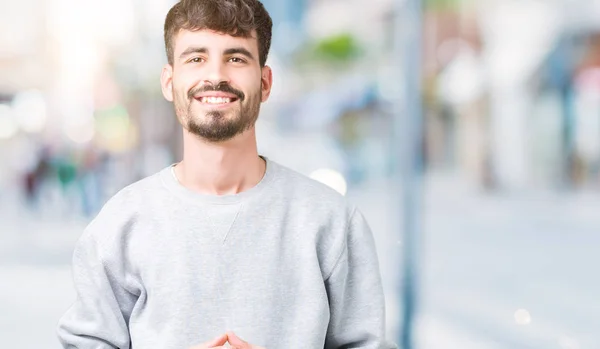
x=338, y=49
x=443, y=4
x=341, y=47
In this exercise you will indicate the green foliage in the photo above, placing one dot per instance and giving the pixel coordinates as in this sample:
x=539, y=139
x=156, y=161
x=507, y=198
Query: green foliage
x=337, y=49
x=442, y=4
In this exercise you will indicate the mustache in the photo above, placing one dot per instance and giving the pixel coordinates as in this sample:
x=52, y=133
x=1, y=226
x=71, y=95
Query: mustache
x=221, y=87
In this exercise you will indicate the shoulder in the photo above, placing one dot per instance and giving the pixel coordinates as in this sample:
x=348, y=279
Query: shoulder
x=124, y=209
x=303, y=190
x=318, y=208
x=136, y=196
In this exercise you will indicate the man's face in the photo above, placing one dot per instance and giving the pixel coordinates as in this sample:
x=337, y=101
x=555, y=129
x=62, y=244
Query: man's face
x=216, y=83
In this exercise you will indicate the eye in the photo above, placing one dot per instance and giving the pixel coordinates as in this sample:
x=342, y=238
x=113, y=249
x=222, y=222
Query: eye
x=236, y=60
x=196, y=60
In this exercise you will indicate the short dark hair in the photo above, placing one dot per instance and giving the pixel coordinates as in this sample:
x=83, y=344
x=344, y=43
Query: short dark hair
x=234, y=17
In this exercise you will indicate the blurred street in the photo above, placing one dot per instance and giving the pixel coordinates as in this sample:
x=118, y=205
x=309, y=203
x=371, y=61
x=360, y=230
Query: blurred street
x=481, y=260
x=494, y=105
x=517, y=270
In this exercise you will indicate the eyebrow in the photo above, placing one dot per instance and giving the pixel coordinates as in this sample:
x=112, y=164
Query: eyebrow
x=193, y=49
x=238, y=50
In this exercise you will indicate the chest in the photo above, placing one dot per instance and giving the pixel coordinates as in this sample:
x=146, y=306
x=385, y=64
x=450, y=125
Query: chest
x=259, y=274
x=229, y=255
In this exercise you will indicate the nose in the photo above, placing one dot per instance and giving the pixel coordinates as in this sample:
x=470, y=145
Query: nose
x=215, y=73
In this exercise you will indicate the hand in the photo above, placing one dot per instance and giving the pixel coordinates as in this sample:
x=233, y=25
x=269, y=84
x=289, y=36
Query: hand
x=238, y=343
x=218, y=342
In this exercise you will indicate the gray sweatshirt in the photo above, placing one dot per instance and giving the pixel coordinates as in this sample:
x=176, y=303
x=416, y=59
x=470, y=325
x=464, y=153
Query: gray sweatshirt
x=286, y=264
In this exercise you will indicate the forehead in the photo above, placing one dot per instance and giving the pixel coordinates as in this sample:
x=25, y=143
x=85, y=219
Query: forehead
x=212, y=40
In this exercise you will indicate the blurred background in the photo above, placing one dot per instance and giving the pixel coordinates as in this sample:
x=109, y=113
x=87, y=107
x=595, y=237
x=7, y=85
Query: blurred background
x=505, y=110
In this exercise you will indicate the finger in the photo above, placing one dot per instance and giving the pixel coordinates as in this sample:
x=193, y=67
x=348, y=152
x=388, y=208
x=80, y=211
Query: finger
x=236, y=341
x=217, y=342
x=207, y=345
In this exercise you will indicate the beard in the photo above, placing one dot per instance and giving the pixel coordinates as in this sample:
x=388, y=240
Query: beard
x=216, y=125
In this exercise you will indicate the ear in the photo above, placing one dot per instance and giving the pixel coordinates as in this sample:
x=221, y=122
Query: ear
x=166, y=82
x=266, y=82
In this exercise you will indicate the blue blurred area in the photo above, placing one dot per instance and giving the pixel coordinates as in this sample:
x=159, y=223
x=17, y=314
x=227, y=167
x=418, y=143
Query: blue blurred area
x=511, y=100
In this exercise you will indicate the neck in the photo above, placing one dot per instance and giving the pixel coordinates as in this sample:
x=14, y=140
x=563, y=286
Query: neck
x=221, y=168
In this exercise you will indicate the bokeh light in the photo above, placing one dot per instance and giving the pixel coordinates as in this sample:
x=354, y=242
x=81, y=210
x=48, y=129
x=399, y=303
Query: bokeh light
x=331, y=178
x=30, y=111
x=8, y=124
x=522, y=317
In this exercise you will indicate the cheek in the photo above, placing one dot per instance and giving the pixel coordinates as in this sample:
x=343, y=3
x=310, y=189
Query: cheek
x=183, y=82
x=248, y=81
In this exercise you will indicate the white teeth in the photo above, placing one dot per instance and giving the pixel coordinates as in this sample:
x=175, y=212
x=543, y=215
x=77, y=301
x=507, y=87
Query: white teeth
x=215, y=100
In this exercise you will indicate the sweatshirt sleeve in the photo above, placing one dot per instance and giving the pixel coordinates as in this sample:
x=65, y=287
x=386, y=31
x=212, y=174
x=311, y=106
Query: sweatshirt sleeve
x=355, y=291
x=99, y=317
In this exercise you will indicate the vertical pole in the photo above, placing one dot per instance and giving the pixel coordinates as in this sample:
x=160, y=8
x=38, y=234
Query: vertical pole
x=408, y=136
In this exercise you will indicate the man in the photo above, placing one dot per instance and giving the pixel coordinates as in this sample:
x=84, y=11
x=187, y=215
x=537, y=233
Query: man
x=225, y=247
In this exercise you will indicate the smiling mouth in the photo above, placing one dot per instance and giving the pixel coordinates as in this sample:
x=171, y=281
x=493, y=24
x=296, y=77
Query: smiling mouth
x=216, y=100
